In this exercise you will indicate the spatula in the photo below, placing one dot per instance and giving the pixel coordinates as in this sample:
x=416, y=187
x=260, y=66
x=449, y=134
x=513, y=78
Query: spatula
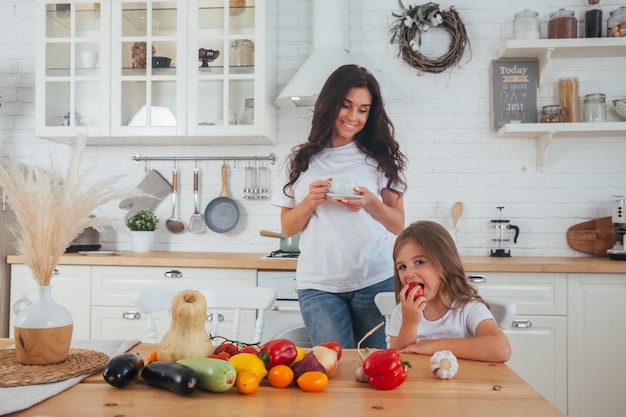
x=196, y=222
x=457, y=211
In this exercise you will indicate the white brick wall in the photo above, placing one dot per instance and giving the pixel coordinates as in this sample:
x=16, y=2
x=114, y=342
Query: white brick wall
x=442, y=121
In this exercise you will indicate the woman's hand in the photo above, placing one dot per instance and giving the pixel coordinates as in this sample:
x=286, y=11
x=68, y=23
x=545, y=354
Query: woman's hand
x=294, y=220
x=356, y=204
x=317, y=192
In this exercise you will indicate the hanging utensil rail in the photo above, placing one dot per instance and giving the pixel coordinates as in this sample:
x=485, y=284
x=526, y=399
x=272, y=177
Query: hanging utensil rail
x=271, y=158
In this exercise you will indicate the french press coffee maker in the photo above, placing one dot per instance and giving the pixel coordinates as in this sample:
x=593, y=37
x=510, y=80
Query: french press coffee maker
x=502, y=235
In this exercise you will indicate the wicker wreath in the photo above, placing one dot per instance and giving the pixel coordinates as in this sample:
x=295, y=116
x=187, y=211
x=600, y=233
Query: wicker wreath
x=409, y=25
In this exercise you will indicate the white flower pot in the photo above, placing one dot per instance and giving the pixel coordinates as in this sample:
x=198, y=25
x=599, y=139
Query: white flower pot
x=142, y=241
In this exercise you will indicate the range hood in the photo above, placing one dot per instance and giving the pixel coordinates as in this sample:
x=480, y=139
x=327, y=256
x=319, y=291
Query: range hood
x=330, y=51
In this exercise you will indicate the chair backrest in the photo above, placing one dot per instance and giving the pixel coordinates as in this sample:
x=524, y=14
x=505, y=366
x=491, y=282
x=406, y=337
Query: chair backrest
x=503, y=311
x=220, y=301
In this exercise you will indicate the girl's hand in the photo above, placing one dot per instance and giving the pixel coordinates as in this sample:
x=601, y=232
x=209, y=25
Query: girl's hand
x=410, y=306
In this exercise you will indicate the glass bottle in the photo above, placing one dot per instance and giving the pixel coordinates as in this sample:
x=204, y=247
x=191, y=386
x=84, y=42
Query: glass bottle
x=569, y=99
x=616, y=24
x=594, y=108
x=247, y=117
x=552, y=113
x=526, y=25
x=593, y=20
x=562, y=24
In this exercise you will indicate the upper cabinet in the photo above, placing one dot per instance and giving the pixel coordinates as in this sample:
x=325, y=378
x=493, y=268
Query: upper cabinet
x=157, y=72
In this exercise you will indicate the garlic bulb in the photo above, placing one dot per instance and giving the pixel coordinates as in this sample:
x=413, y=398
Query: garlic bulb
x=444, y=365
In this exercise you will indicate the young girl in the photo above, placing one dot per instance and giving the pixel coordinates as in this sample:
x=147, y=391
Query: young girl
x=450, y=315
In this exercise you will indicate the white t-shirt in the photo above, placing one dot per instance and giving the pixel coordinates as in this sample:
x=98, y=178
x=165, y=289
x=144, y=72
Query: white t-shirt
x=454, y=324
x=340, y=250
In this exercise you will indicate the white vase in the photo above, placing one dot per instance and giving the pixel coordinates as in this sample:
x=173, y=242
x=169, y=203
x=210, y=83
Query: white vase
x=43, y=331
x=142, y=241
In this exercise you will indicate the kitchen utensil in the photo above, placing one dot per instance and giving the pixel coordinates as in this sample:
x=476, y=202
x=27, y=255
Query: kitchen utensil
x=222, y=213
x=287, y=244
x=457, y=211
x=442, y=213
x=593, y=237
x=174, y=224
x=501, y=237
x=196, y=223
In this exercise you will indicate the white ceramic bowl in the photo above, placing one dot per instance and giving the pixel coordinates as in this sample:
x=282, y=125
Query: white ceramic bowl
x=620, y=107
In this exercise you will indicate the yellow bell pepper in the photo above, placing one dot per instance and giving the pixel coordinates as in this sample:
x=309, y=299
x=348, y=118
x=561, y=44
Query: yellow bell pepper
x=248, y=362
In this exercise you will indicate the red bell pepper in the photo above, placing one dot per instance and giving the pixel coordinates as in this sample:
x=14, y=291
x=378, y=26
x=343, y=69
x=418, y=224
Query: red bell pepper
x=278, y=352
x=385, y=369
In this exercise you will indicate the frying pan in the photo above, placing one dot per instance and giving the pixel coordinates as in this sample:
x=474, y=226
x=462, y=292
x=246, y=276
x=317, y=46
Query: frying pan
x=287, y=244
x=222, y=213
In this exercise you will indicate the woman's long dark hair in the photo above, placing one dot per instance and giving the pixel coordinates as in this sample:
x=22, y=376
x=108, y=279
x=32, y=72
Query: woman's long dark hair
x=376, y=140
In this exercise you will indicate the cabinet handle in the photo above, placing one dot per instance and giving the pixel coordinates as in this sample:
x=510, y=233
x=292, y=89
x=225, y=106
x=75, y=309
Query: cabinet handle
x=56, y=271
x=478, y=279
x=220, y=317
x=522, y=324
x=277, y=308
x=173, y=273
x=131, y=315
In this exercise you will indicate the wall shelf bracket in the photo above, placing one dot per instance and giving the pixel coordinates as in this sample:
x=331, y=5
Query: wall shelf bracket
x=542, y=144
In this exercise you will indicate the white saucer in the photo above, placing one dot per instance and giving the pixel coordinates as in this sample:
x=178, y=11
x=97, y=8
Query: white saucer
x=342, y=196
x=98, y=252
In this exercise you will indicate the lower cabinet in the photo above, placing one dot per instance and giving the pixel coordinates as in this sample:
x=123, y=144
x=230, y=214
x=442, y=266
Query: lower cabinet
x=597, y=342
x=538, y=335
x=71, y=287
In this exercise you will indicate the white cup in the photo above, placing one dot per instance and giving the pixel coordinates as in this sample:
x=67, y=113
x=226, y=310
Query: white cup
x=89, y=59
x=343, y=186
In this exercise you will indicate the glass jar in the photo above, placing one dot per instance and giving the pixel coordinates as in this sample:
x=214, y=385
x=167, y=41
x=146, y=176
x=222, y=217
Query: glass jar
x=569, y=99
x=594, y=108
x=562, y=24
x=247, y=117
x=242, y=53
x=593, y=20
x=616, y=24
x=526, y=25
x=552, y=113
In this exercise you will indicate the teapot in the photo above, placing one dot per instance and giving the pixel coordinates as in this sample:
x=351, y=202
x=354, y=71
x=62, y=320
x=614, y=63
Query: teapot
x=501, y=238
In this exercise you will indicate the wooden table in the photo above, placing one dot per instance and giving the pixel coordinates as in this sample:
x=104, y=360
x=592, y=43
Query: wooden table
x=479, y=389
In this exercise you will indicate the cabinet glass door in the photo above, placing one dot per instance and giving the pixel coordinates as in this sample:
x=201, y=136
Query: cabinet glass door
x=146, y=68
x=222, y=78
x=72, y=69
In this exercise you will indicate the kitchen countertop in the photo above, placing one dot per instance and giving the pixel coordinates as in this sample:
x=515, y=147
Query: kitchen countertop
x=474, y=264
x=479, y=388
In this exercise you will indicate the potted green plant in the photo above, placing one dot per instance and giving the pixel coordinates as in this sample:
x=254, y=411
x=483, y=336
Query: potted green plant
x=142, y=226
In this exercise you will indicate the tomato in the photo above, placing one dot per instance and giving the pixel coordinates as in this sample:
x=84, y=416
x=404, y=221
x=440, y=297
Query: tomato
x=420, y=291
x=313, y=381
x=247, y=382
x=334, y=346
x=227, y=347
x=250, y=349
x=221, y=355
x=280, y=376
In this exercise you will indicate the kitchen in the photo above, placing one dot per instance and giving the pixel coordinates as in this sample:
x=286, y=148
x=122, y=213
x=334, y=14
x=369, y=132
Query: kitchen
x=442, y=121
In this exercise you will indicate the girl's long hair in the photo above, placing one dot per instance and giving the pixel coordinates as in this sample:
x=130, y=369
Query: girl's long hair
x=376, y=140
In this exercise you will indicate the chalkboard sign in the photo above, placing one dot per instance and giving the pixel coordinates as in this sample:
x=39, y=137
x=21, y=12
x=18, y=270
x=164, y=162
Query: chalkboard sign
x=513, y=91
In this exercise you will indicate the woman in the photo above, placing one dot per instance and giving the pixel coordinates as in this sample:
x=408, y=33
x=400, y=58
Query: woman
x=345, y=247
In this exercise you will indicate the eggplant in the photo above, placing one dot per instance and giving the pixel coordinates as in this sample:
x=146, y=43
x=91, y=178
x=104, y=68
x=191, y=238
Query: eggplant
x=122, y=369
x=172, y=376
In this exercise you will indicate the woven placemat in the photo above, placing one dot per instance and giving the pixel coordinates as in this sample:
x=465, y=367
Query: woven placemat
x=78, y=362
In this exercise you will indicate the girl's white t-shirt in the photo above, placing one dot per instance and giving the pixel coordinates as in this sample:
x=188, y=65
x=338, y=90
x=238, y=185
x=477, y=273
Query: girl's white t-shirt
x=340, y=250
x=459, y=323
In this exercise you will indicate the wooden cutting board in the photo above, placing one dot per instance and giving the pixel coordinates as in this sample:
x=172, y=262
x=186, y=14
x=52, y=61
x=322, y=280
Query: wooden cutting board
x=594, y=237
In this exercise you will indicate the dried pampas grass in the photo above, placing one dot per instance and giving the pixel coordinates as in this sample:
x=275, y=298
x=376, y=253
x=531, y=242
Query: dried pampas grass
x=51, y=211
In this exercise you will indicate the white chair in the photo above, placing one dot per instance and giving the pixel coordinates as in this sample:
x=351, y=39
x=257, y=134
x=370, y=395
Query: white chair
x=221, y=301
x=503, y=311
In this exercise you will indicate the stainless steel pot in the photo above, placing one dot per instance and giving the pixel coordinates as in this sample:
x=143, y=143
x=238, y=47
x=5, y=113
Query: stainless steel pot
x=287, y=243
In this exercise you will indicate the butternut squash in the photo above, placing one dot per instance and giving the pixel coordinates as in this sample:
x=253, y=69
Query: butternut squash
x=187, y=337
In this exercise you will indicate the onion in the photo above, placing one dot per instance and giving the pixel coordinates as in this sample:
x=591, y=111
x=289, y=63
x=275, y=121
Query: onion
x=327, y=357
x=307, y=364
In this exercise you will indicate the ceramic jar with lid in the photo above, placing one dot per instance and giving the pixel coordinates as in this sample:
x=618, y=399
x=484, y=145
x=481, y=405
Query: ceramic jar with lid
x=526, y=25
x=594, y=108
x=616, y=24
x=552, y=113
x=562, y=24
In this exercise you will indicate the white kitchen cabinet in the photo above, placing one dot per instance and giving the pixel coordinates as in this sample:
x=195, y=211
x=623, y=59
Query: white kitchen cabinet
x=538, y=335
x=113, y=314
x=126, y=100
x=596, y=341
x=71, y=287
x=544, y=50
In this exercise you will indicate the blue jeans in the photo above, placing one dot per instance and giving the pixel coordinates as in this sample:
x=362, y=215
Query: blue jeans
x=344, y=317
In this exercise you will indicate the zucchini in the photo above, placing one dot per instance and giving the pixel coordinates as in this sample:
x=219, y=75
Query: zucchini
x=171, y=376
x=122, y=369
